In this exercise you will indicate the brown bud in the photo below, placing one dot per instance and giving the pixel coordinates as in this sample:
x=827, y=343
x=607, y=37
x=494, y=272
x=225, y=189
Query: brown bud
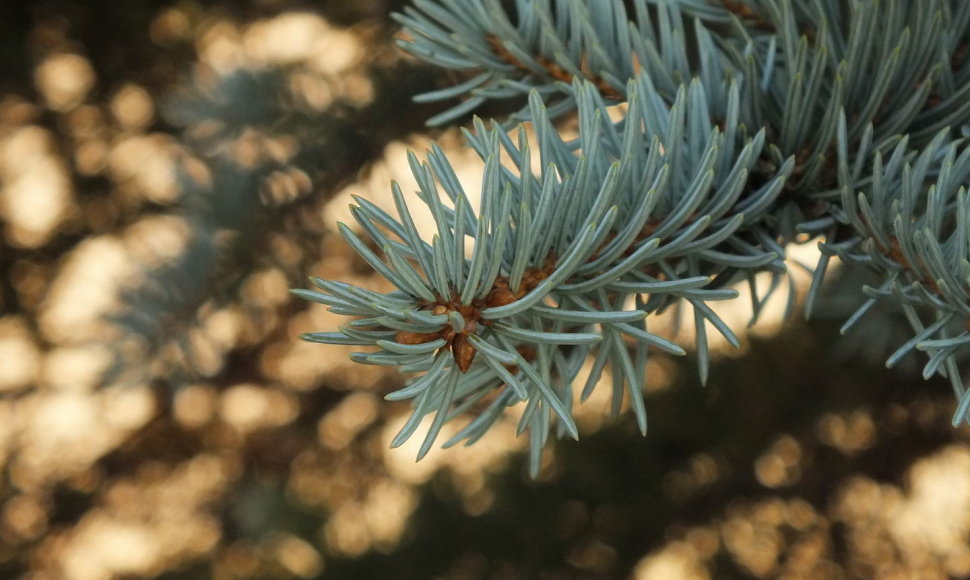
x=500, y=297
x=463, y=351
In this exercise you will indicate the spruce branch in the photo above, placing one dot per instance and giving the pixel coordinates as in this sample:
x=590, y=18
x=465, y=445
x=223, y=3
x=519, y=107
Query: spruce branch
x=649, y=212
x=911, y=221
x=544, y=45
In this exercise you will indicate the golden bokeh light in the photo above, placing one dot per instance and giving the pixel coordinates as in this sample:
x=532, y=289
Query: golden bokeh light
x=21, y=356
x=64, y=80
x=35, y=193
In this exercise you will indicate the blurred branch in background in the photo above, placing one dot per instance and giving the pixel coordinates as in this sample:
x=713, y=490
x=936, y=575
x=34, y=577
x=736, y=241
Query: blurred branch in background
x=148, y=252
x=275, y=143
x=165, y=171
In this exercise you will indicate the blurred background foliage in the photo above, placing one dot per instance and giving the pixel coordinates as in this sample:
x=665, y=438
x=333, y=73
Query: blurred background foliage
x=169, y=168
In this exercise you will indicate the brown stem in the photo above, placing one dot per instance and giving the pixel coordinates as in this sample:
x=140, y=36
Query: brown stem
x=555, y=71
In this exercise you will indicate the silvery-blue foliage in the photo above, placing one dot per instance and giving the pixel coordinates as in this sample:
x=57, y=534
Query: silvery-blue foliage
x=743, y=126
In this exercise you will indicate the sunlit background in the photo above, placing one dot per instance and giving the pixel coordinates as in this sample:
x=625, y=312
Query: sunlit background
x=170, y=168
